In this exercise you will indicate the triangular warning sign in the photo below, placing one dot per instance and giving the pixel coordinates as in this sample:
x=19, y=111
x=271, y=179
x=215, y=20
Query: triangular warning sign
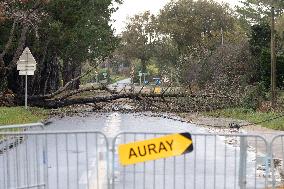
x=27, y=58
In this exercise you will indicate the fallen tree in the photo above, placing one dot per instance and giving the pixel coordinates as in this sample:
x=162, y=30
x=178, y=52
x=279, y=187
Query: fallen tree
x=58, y=103
x=145, y=98
x=166, y=100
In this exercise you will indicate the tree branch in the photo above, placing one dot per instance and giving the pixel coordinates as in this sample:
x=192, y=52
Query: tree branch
x=21, y=45
x=72, y=93
x=62, y=89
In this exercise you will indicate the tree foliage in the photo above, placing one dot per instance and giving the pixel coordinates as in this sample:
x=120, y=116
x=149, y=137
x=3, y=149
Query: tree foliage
x=256, y=11
x=62, y=35
x=181, y=37
x=192, y=23
x=260, y=49
x=137, y=39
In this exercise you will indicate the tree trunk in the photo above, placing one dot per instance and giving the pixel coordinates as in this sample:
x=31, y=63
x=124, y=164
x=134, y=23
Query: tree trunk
x=70, y=71
x=3, y=83
x=143, y=65
x=50, y=77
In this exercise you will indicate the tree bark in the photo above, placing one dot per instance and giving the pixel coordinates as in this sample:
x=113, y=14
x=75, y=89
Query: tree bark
x=61, y=89
x=20, y=49
x=71, y=70
x=63, y=102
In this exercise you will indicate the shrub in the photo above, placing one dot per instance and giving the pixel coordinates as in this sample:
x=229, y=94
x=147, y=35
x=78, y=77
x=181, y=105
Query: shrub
x=253, y=97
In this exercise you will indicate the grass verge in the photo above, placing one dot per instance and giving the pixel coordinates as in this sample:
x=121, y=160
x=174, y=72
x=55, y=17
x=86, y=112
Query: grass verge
x=251, y=116
x=19, y=115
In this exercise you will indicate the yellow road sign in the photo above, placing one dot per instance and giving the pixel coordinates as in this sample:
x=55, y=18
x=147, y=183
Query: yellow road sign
x=157, y=148
x=157, y=90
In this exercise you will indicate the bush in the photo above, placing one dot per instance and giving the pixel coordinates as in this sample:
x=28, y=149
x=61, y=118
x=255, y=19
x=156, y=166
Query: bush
x=253, y=97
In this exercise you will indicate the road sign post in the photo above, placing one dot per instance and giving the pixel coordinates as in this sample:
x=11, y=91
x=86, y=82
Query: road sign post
x=153, y=149
x=26, y=92
x=26, y=65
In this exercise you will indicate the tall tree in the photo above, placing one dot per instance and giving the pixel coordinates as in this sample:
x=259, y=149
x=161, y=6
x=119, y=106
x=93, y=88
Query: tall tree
x=62, y=35
x=256, y=11
x=18, y=18
x=190, y=23
x=138, y=38
x=195, y=28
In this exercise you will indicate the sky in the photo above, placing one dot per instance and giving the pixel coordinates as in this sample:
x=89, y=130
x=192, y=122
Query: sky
x=131, y=7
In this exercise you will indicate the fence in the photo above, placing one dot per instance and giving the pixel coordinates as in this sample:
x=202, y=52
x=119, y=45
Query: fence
x=277, y=157
x=83, y=159
x=223, y=161
x=54, y=160
x=22, y=127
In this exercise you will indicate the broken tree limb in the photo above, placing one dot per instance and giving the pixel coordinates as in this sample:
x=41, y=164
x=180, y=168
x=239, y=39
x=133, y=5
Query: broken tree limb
x=75, y=92
x=68, y=84
x=61, y=89
x=93, y=88
x=178, y=100
x=51, y=103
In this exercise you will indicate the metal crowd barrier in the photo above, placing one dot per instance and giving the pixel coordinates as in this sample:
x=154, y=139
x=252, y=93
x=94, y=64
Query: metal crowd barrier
x=53, y=160
x=34, y=158
x=217, y=161
x=277, y=166
x=21, y=127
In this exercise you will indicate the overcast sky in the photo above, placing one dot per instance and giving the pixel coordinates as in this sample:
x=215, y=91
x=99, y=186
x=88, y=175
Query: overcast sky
x=132, y=7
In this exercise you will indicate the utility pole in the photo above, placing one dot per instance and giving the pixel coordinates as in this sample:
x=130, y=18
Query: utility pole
x=222, y=33
x=273, y=58
x=222, y=43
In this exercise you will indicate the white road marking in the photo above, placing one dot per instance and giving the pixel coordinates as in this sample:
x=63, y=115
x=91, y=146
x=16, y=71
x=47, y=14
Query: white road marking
x=100, y=169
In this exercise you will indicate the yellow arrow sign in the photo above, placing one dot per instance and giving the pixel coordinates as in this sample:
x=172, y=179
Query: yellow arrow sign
x=157, y=148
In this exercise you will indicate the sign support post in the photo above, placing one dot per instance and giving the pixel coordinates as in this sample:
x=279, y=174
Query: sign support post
x=26, y=86
x=26, y=93
x=26, y=65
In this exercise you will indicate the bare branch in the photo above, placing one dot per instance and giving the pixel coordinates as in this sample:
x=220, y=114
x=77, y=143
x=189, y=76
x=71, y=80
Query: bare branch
x=68, y=84
x=166, y=89
x=72, y=93
x=21, y=45
x=64, y=88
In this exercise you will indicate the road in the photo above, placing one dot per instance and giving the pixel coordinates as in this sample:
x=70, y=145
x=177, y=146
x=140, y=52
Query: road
x=125, y=83
x=80, y=160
